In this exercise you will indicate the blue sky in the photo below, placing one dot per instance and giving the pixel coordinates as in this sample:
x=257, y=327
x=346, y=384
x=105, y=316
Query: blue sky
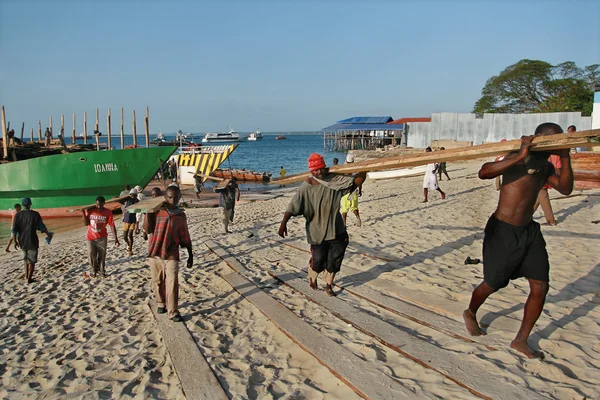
x=273, y=65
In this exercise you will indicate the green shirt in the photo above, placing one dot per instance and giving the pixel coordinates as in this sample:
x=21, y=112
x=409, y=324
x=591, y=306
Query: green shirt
x=320, y=206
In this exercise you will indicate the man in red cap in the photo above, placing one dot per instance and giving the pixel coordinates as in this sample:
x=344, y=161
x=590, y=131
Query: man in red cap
x=318, y=201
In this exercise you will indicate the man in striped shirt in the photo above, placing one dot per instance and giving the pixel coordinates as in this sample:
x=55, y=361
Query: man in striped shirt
x=169, y=231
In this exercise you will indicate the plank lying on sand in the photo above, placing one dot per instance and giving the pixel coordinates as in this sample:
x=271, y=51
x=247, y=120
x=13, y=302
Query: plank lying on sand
x=198, y=380
x=151, y=205
x=114, y=200
x=540, y=143
x=467, y=370
x=361, y=376
x=420, y=315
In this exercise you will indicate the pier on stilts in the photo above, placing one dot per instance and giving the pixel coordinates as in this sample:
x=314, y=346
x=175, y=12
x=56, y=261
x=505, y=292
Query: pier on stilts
x=362, y=133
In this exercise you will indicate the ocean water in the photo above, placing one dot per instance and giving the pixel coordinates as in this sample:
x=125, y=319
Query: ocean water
x=267, y=155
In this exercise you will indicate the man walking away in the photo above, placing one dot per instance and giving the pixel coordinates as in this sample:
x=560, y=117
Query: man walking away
x=17, y=208
x=229, y=195
x=96, y=220
x=442, y=168
x=129, y=220
x=513, y=245
x=318, y=201
x=168, y=232
x=24, y=228
x=430, y=179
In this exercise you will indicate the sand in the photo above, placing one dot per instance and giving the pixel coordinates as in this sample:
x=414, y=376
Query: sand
x=69, y=337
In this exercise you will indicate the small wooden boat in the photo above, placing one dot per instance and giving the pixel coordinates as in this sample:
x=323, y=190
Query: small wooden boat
x=586, y=170
x=242, y=175
x=398, y=173
x=280, y=137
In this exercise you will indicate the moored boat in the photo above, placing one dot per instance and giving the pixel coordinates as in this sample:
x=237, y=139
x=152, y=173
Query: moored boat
x=221, y=137
x=57, y=183
x=254, y=136
x=242, y=175
x=398, y=173
x=280, y=137
x=200, y=159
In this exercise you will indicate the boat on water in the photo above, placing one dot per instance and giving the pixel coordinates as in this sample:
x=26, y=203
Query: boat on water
x=57, y=183
x=200, y=159
x=398, y=173
x=254, y=136
x=186, y=137
x=242, y=175
x=280, y=137
x=221, y=137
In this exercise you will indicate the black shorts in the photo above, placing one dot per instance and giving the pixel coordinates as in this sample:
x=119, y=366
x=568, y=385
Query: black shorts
x=511, y=252
x=329, y=254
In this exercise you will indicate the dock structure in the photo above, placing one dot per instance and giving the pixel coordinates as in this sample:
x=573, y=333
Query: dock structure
x=362, y=133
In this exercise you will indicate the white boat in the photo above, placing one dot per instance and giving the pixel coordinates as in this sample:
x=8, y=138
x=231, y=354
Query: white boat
x=254, y=136
x=398, y=173
x=184, y=136
x=221, y=137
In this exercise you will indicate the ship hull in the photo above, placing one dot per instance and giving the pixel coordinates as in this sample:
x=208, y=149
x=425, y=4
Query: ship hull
x=67, y=180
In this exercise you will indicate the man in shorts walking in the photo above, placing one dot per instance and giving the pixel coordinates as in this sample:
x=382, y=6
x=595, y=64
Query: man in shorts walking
x=96, y=220
x=513, y=245
x=24, y=228
x=129, y=220
x=430, y=180
x=318, y=201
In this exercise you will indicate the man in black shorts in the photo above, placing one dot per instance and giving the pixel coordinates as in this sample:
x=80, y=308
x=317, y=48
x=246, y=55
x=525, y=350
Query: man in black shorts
x=513, y=245
x=318, y=200
x=25, y=225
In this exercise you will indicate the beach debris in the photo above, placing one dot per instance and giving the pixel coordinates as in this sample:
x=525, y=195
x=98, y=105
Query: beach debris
x=470, y=260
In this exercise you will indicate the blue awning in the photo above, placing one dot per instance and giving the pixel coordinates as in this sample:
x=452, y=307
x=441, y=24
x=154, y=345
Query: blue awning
x=364, y=127
x=366, y=120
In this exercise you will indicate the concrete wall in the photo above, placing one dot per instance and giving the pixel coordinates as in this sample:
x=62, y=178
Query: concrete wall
x=490, y=128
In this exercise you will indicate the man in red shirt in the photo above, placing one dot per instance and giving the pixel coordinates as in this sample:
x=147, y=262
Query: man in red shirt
x=167, y=230
x=543, y=198
x=96, y=220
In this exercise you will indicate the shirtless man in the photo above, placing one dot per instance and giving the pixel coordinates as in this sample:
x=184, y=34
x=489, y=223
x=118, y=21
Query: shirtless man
x=513, y=245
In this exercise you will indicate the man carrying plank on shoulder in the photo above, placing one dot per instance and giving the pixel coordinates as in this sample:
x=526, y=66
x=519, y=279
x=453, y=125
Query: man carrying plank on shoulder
x=96, y=220
x=167, y=230
x=318, y=200
x=513, y=245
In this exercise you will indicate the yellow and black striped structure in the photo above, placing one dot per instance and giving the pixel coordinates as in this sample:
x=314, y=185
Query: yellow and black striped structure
x=206, y=158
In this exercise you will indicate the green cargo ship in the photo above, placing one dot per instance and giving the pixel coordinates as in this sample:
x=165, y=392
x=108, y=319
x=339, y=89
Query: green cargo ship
x=56, y=183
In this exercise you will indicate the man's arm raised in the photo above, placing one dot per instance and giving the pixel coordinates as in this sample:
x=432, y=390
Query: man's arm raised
x=564, y=181
x=493, y=169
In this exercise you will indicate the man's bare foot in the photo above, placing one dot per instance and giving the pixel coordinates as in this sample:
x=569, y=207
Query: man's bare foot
x=329, y=291
x=522, y=347
x=312, y=284
x=424, y=201
x=471, y=324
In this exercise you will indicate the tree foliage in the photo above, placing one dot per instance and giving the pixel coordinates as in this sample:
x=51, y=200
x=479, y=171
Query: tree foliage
x=537, y=86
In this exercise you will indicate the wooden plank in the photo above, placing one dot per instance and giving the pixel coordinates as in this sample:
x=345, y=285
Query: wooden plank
x=150, y=205
x=114, y=200
x=467, y=370
x=409, y=310
x=540, y=143
x=359, y=375
x=198, y=380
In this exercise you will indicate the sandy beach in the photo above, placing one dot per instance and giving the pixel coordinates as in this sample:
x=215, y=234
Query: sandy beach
x=66, y=336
